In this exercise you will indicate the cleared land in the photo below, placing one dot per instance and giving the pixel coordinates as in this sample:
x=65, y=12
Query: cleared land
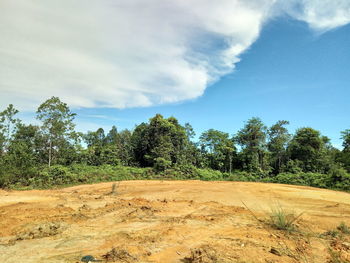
x=172, y=221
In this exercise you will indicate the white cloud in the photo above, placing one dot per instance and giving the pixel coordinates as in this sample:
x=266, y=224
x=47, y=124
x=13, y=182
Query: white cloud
x=321, y=15
x=133, y=53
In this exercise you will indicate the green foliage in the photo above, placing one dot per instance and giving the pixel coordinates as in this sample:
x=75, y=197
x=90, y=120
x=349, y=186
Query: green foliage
x=277, y=145
x=283, y=220
x=8, y=127
x=292, y=166
x=254, y=155
x=344, y=156
x=168, y=151
x=339, y=178
x=308, y=179
x=312, y=179
x=82, y=174
x=96, y=138
x=218, y=149
x=310, y=149
x=57, y=127
x=161, y=164
x=345, y=135
x=241, y=176
x=160, y=138
x=210, y=175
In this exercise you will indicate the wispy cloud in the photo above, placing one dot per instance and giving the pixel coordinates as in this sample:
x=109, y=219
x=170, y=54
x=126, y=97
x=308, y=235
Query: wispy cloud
x=106, y=117
x=133, y=53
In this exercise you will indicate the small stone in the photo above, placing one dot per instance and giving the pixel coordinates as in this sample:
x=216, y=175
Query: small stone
x=275, y=251
x=346, y=245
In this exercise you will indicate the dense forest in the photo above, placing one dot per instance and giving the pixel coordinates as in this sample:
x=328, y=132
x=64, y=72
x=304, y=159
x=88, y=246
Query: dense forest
x=53, y=153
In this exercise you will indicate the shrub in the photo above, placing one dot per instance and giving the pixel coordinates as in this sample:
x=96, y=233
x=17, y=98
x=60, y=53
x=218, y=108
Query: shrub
x=210, y=175
x=241, y=177
x=161, y=164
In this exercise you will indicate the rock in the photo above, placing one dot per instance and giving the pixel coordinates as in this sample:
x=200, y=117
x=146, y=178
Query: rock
x=275, y=251
x=346, y=245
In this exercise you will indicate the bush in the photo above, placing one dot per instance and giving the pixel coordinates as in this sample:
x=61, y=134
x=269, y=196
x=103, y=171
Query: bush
x=210, y=175
x=161, y=164
x=339, y=178
x=241, y=177
x=336, y=180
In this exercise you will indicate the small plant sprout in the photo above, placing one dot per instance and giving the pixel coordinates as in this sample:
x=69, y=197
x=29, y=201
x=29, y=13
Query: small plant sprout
x=114, y=190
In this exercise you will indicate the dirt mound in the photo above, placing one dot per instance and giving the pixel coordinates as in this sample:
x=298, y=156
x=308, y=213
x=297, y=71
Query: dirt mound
x=119, y=255
x=41, y=230
x=204, y=254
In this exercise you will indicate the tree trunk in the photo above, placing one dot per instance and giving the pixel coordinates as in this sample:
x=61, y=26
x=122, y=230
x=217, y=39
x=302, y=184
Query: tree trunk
x=50, y=147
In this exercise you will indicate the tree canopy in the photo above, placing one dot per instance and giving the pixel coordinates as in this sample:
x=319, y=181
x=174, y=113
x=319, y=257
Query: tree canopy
x=164, y=143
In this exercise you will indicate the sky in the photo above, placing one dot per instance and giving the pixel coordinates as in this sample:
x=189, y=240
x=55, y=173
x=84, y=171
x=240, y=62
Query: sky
x=214, y=64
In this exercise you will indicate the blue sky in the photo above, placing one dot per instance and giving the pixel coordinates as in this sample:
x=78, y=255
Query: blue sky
x=212, y=64
x=289, y=73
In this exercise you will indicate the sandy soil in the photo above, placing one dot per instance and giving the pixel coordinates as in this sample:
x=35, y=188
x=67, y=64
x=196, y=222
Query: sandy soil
x=171, y=221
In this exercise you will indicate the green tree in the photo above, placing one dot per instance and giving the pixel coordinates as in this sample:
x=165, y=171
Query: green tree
x=8, y=126
x=57, y=126
x=113, y=136
x=310, y=149
x=160, y=138
x=124, y=147
x=344, y=156
x=96, y=138
x=277, y=144
x=140, y=145
x=345, y=135
x=252, y=139
x=21, y=159
x=192, y=154
x=219, y=149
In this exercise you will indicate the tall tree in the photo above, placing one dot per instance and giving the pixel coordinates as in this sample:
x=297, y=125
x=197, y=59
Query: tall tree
x=112, y=136
x=309, y=148
x=57, y=126
x=140, y=145
x=96, y=138
x=218, y=148
x=161, y=139
x=277, y=144
x=344, y=156
x=8, y=126
x=252, y=139
x=124, y=147
x=345, y=135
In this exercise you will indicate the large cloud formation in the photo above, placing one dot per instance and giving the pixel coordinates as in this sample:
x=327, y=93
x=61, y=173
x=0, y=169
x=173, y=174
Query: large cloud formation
x=132, y=53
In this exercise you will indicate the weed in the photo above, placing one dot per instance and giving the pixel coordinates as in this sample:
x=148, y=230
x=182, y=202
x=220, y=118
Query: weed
x=114, y=190
x=343, y=228
x=283, y=220
x=334, y=256
x=330, y=233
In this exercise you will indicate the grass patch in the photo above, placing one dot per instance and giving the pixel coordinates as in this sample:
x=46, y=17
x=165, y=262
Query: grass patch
x=330, y=233
x=343, y=228
x=281, y=219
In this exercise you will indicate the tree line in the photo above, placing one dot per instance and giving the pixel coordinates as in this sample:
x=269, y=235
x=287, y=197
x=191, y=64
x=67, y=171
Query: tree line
x=162, y=144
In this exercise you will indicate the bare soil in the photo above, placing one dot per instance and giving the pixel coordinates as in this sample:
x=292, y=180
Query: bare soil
x=172, y=221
